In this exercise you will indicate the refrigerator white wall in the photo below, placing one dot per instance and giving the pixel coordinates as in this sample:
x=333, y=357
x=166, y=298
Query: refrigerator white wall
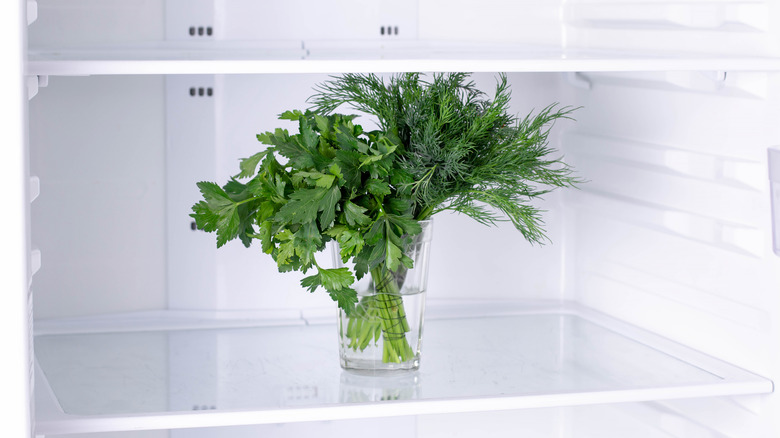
x=672, y=233
x=674, y=230
x=114, y=160
x=15, y=269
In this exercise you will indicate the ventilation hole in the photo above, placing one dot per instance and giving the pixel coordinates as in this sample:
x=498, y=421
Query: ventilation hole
x=192, y=91
x=395, y=29
x=201, y=91
x=193, y=226
x=209, y=92
x=209, y=31
x=382, y=30
x=200, y=31
x=192, y=30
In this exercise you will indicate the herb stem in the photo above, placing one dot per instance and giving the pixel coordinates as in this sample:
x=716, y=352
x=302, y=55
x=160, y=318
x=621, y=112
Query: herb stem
x=393, y=320
x=247, y=200
x=425, y=213
x=382, y=314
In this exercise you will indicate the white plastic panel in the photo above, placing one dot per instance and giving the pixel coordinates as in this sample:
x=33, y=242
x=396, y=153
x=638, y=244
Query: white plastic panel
x=191, y=156
x=535, y=23
x=517, y=358
x=192, y=20
x=673, y=232
x=692, y=26
x=15, y=306
x=80, y=23
x=97, y=145
x=716, y=416
x=382, y=21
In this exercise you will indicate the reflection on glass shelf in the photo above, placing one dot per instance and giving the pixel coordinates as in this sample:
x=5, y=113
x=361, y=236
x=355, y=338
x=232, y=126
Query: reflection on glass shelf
x=277, y=368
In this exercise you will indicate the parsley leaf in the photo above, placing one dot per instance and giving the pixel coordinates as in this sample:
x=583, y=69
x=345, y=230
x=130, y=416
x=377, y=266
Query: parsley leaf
x=319, y=179
x=291, y=115
x=336, y=281
x=406, y=224
x=393, y=255
x=307, y=241
x=218, y=212
x=328, y=206
x=205, y=219
x=312, y=282
x=248, y=166
x=378, y=187
x=355, y=214
x=351, y=243
x=346, y=298
x=302, y=206
x=291, y=147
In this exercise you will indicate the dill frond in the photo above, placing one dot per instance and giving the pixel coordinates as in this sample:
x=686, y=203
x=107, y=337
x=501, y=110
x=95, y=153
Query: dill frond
x=464, y=151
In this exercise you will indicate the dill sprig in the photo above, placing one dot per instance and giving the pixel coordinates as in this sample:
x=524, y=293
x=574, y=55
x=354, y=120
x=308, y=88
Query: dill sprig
x=460, y=150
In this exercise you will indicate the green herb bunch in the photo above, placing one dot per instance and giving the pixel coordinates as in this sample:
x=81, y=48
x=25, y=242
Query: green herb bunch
x=337, y=183
x=441, y=145
x=460, y=150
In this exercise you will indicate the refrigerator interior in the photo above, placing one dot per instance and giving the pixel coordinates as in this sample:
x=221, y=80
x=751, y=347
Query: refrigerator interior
x=651, y=313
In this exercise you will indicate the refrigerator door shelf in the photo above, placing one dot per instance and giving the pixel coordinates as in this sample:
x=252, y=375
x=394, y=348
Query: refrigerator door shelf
x=171, y=373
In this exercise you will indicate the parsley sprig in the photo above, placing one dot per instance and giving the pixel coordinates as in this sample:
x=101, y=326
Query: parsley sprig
x=337, y=184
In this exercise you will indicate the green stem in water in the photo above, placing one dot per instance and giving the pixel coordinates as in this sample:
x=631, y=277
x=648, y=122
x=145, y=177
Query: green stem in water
x=385, y=313
x=392, y=317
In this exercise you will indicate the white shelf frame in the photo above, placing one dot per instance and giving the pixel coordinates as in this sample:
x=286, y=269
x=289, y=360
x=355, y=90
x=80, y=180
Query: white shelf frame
x=339, y=57
x=51, y=420
x=178, y=67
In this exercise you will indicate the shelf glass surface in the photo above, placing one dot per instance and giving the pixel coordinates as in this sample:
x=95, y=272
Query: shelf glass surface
x=469, y=364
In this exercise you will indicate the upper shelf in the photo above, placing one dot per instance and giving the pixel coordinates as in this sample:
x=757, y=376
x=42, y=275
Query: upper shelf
x=167, y=373
x=338, y=57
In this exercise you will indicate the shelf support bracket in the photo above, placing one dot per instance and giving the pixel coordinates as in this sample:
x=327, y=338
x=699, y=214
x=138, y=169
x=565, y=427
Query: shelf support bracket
x=32, y=11
x=35, y=264
x=716, y=76
x=578, y=80
x=35, y=188
x=774, y=185
x=34, y=83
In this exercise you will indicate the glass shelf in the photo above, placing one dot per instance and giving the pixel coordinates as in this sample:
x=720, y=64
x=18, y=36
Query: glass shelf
x=162, y=373
x=367, y=56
